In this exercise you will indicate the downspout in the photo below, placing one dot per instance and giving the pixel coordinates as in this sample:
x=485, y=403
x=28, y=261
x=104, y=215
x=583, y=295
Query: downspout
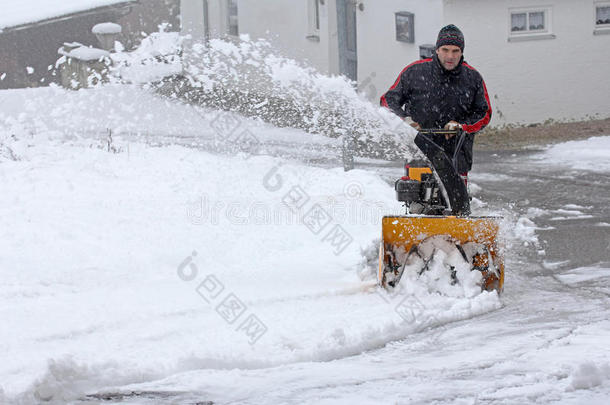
x=206, y=21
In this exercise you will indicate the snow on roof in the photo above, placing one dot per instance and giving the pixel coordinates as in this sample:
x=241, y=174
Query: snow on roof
x=16, y=13
x=106, y=28
x=84, y=53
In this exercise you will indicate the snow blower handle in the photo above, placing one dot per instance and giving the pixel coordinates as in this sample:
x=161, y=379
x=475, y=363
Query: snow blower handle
x=435, y=131
x=458, y=133
x=446, y=166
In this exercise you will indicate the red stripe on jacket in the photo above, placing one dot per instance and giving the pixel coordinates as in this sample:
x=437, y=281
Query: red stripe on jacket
x=417, y=62
x=485, y=120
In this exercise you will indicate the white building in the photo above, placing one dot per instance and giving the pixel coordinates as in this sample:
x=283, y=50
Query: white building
x=541, y=59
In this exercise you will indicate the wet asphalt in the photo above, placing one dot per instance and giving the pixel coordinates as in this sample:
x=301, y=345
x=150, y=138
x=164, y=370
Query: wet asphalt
x=576, y=204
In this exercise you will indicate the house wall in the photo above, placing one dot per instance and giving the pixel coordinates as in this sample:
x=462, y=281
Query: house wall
x=191, y=18
x=289, y=33
x=380, y=56
x=530, y=81
x=146, y=17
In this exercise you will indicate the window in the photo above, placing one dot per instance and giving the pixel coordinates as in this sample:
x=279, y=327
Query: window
x=232, y=21
x=602, y=16
x=313, y=16
x=530, y=24
x=404, y=26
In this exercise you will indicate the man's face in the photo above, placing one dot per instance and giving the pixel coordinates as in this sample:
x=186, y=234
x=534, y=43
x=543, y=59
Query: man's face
x=449, y=56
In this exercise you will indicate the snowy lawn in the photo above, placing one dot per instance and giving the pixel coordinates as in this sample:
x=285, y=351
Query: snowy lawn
x=124, y=267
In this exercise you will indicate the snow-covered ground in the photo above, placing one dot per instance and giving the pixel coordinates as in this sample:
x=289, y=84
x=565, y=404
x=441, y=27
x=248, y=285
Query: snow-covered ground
x=589, y=155
x=142, y=270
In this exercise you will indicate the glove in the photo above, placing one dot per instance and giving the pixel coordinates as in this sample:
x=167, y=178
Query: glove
x=412, y=123
x=451, y=125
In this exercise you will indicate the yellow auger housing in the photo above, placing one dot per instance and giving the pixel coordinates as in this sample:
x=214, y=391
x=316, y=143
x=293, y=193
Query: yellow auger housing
x=475, y=237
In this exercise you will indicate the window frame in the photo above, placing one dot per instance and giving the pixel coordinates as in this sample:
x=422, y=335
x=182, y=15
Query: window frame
x=531, y=34
x=597, y=5
x=599, y=29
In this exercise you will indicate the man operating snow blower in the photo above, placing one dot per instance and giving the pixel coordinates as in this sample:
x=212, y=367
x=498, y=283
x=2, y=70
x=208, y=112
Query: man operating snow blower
x=445, y=99
x=443, y=92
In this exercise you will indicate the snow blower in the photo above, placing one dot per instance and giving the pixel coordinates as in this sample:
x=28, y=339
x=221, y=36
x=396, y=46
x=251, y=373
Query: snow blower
x=438, y=220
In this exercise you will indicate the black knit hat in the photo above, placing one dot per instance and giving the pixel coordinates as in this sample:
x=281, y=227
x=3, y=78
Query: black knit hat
x=450, y=35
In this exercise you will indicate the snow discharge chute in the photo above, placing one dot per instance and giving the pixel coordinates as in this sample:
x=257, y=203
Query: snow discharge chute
x=437, y=224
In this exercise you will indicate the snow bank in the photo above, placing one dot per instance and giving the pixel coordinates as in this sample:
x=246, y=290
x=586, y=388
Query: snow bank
x=590, y=154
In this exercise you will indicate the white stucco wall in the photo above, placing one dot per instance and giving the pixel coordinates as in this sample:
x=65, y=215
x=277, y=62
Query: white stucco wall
x=284, y=23
x=380, y=56
x=530, y=81
x=191, y=18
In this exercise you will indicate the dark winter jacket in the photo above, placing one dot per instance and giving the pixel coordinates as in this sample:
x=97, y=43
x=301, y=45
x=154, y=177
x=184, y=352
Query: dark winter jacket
x=432, y=96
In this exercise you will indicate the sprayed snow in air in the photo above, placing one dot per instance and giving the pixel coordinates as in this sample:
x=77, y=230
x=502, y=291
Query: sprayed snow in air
x=156, y=57
x=324, y=104
x=590, y=154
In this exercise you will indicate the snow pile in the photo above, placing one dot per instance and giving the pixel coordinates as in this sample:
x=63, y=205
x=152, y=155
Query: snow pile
x=525, y=230
x=590, y=154
x=590, y=375
x=438, y=267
